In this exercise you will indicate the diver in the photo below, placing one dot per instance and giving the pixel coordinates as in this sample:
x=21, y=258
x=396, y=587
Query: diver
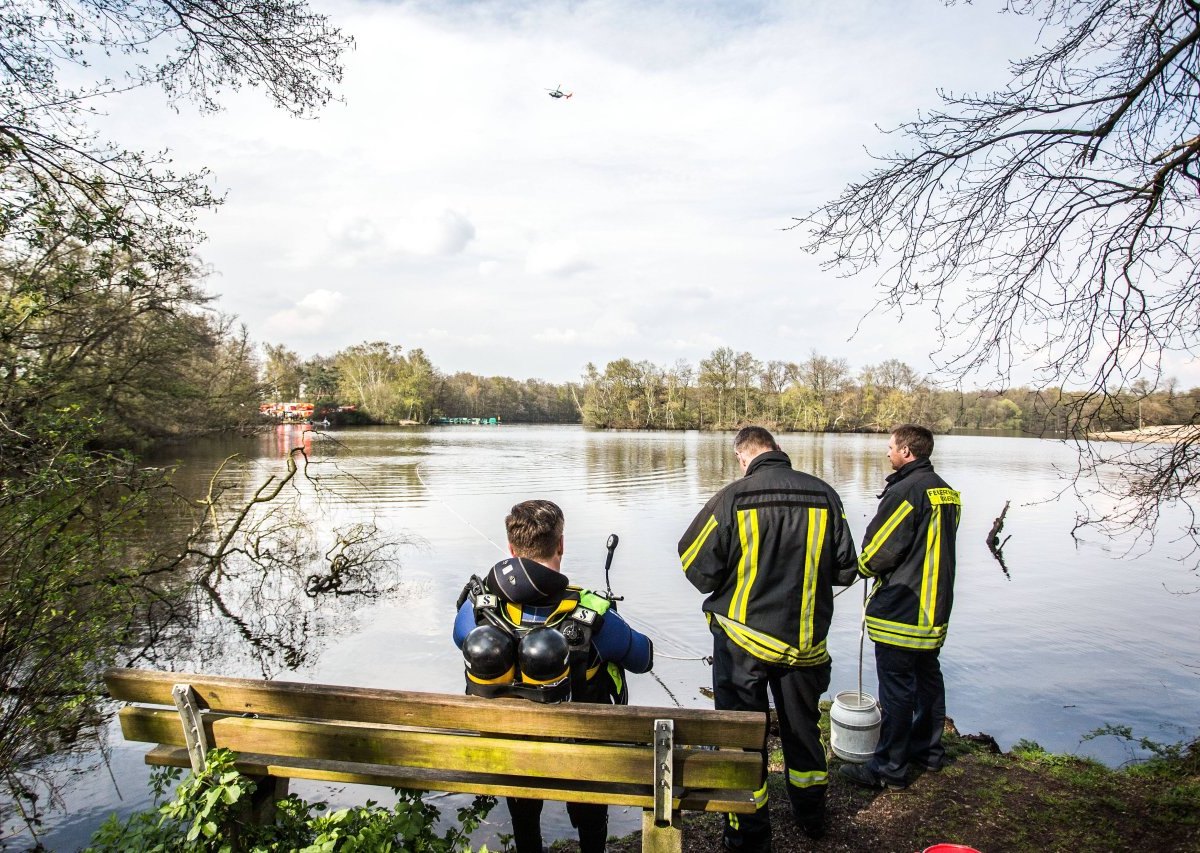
x=525, y=631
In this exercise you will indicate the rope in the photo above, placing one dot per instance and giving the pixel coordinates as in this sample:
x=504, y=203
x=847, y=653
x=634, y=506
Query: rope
x=862, y=631
x=862, y=635
x=454, y=512
x=706, y=658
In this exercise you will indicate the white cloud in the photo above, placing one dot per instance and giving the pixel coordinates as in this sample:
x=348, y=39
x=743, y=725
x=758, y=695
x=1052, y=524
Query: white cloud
x=444, y=232
x=557, y=336
x=314, y=312
x=320, y=302
x=356, y=232
x=451, y=203
x=561, y=257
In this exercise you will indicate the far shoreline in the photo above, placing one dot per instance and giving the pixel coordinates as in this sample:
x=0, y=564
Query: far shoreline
x=1151, y=435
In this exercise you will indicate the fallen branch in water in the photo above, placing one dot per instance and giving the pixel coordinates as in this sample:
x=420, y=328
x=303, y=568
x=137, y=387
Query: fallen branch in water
x=993, y=540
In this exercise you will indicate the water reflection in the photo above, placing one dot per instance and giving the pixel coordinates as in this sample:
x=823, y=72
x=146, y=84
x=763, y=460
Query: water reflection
x=268, y=572
x=1071, y=642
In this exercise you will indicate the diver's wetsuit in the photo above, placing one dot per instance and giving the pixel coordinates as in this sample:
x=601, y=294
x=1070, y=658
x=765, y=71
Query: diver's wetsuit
x=533, y=597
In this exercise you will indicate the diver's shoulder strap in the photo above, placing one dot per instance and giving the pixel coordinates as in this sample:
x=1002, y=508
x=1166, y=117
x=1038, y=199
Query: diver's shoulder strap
x=578, y=628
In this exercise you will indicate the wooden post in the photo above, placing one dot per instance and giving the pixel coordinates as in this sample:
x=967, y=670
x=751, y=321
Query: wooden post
x=664, y=771
x=660, y=825
x=193, y=729
x=268, y=790
x=661, y=839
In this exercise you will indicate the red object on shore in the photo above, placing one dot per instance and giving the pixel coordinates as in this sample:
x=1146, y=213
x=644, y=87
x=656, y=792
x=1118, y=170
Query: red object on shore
x=949, y=848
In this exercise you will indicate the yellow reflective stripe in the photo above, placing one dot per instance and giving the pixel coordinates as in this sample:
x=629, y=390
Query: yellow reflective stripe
x=807, y=779
x=817, y=518
x=906, y=636
x=768, y=648
x=906, y=643
x=932, y=567
x=689, y=556
x=760, y=796
x=882, y=534
x=906, y=629
x=733, y=820
x=764, y=640
x=748, y=566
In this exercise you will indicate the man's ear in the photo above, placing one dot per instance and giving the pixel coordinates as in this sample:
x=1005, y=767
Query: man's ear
x=561, y=545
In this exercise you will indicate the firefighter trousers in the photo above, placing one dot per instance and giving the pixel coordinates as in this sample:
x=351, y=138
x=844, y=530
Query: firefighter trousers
x=740, y=683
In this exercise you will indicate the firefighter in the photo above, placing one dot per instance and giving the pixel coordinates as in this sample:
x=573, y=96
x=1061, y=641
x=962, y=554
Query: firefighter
x=909, y=551
x=768, y=549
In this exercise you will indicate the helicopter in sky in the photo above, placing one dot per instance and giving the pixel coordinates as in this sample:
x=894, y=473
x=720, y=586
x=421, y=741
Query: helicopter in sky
x=559, y=93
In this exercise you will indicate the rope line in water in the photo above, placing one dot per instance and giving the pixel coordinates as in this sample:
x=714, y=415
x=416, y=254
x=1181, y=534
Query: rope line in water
x=705, y=658
x=675, y=644
x=455, y=513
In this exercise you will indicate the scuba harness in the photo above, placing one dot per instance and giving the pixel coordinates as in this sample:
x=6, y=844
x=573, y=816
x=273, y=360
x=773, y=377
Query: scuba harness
x=547, y=661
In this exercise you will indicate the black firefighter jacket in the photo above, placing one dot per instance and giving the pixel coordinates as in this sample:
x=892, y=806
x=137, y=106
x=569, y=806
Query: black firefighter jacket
x=909, y=550
x=769, y=548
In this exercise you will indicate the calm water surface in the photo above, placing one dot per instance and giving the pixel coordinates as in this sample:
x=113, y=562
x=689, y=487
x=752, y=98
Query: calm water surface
x=1080, y=636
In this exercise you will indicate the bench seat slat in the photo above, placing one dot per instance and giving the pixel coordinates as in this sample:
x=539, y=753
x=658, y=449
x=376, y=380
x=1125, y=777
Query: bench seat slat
x=434, y=779
x=543, y=759
x=631, y=724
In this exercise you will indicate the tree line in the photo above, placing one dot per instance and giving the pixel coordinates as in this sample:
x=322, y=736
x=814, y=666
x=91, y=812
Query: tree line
x=822, y=394
x=721, y=392
x=386, y=385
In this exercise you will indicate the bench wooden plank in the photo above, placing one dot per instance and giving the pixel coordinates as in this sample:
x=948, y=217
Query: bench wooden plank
x=579, y=721
x=436, y=779
x=547, y=759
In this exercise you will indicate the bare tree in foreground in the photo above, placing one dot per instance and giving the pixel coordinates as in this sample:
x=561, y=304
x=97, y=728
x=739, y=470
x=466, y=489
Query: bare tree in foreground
x=1053, y=225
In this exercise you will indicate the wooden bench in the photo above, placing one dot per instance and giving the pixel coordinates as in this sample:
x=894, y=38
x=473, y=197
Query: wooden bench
x=663, y=760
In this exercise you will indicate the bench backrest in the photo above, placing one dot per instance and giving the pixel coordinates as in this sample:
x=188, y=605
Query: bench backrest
x=452, y=742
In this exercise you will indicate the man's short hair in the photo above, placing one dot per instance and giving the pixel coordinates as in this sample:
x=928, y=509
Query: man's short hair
x=534, y=528
x=754, y=436
x=917, y=439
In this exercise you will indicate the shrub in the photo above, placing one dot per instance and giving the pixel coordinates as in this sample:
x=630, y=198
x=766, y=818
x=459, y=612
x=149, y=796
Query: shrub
x=210, y=813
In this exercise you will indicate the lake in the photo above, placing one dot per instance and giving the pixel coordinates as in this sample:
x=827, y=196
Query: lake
x=1076, y=636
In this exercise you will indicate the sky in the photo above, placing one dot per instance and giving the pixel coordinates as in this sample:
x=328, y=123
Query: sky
x=449, y=203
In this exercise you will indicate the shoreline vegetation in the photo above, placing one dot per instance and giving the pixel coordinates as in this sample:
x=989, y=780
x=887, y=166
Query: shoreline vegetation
x=385, y=384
